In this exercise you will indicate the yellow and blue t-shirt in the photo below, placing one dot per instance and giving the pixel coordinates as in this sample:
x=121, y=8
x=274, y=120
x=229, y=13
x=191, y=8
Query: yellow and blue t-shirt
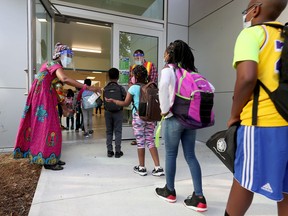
x=262, y=44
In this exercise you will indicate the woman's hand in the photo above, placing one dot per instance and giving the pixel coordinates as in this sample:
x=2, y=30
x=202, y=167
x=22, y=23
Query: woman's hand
x=94, y=89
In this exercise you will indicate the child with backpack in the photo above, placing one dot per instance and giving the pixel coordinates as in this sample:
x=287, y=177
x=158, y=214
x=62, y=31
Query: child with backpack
x=113, y=113
x=261, y=157
x=87, y=111
x=143, y=130
x=180, y=55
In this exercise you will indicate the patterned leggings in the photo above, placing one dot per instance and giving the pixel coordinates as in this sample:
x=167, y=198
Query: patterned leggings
x=143, y=131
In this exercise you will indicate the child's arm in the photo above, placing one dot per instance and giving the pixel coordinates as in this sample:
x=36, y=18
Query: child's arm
x=127, y=101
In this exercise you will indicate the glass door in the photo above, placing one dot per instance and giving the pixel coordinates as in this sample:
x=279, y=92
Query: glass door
x=39, y=37
x=127, y=39
x=43, y=39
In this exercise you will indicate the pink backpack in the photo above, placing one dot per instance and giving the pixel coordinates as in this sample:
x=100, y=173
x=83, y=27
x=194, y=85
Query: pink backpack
x=193, y=104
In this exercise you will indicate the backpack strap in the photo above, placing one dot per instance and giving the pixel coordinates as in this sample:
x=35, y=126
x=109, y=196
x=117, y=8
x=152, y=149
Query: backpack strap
x=255, y=103
x=133, y=104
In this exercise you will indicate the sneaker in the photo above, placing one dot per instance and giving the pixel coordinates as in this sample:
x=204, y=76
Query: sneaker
x=110, y=153
x=86, y=134
x=166, y=194
x=91, y=132
x=158, y=172
x=196, y=203
x=140, y=171
x=61, y=163
x=118, y=154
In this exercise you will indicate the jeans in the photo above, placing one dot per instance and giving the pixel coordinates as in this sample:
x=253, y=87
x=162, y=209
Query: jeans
x=174, y=131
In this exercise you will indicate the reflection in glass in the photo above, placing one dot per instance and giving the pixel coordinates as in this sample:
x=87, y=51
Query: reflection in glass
x=43, y=35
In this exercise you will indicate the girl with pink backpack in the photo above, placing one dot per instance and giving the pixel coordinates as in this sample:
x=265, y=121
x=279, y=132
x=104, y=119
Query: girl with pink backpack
x=179, y=63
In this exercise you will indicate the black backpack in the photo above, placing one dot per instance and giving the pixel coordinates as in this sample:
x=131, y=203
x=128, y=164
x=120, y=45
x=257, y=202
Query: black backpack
x=115, y=91
x=149, y=105
x=280, y=95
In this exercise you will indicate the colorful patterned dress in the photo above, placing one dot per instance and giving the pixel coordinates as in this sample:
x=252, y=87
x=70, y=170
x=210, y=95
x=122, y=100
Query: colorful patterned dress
x=39, y=136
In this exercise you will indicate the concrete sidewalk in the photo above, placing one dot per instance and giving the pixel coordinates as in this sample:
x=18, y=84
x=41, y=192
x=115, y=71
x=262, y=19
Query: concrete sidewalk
x=93, y=184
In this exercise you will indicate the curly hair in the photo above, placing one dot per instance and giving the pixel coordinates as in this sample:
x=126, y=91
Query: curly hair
x=140, y=74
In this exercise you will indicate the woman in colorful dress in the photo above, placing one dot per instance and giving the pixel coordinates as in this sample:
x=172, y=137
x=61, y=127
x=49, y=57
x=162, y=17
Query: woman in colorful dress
x=39, y=136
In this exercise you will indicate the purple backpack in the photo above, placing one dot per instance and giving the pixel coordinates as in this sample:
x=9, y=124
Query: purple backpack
x=193, y=100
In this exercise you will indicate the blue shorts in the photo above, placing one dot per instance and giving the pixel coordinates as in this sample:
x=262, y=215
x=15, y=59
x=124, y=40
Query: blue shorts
x=261, y=162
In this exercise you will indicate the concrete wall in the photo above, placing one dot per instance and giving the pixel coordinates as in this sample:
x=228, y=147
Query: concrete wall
x=13, y=55
x=177, y=22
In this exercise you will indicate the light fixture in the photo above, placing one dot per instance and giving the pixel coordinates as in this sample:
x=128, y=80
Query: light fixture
x=96, y=72
x=86, y=50
x=43, y=20
x=90, y=77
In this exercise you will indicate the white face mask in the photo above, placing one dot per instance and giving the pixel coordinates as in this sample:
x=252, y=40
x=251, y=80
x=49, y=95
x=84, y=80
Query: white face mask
x=137, y=62
x=66, y=61
x=247, y=24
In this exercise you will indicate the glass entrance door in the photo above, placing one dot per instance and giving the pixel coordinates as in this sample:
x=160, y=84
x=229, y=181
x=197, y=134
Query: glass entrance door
x=127, y=39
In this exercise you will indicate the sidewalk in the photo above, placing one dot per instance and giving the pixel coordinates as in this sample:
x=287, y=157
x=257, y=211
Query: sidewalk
x=93, y=184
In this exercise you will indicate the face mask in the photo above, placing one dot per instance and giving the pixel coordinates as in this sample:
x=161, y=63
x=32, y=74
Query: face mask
x=133, y=81
x=66, y=61
x=138, y=62
x=248, y=23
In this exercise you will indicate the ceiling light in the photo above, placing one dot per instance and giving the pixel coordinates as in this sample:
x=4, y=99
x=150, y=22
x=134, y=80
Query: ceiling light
x=86, y=50
x=90, y=77
x=96, y=72
x=41, y=20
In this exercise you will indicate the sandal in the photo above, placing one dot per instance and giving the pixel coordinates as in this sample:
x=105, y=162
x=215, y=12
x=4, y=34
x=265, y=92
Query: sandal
x=61, y=163
x=134, y=142
x=54, y=167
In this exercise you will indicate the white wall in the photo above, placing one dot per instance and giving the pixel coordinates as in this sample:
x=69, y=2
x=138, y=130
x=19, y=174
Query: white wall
x=213, y=29
x=13, y=44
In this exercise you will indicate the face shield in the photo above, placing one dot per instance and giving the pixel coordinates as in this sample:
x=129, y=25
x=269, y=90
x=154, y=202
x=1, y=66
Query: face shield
x=66, y=59
x=138, y=58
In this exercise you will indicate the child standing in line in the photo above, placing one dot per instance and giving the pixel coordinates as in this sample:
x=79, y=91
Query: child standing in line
x=69, y=102
x=113, y=113
x=143, y=130
x=87, y=113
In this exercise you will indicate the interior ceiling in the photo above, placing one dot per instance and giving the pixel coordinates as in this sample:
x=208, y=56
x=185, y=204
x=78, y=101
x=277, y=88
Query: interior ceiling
x=97, y=36
x=125, y=6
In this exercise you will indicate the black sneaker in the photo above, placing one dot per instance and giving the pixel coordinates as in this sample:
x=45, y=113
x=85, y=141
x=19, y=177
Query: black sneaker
x=140, y=171
x=110, y=153
x=55, y=167
x=196, y=203
x=61, y=163
x=91, y=132
x=166, y=194
x=86, y=134
x=158, y=172
x=118, y=154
